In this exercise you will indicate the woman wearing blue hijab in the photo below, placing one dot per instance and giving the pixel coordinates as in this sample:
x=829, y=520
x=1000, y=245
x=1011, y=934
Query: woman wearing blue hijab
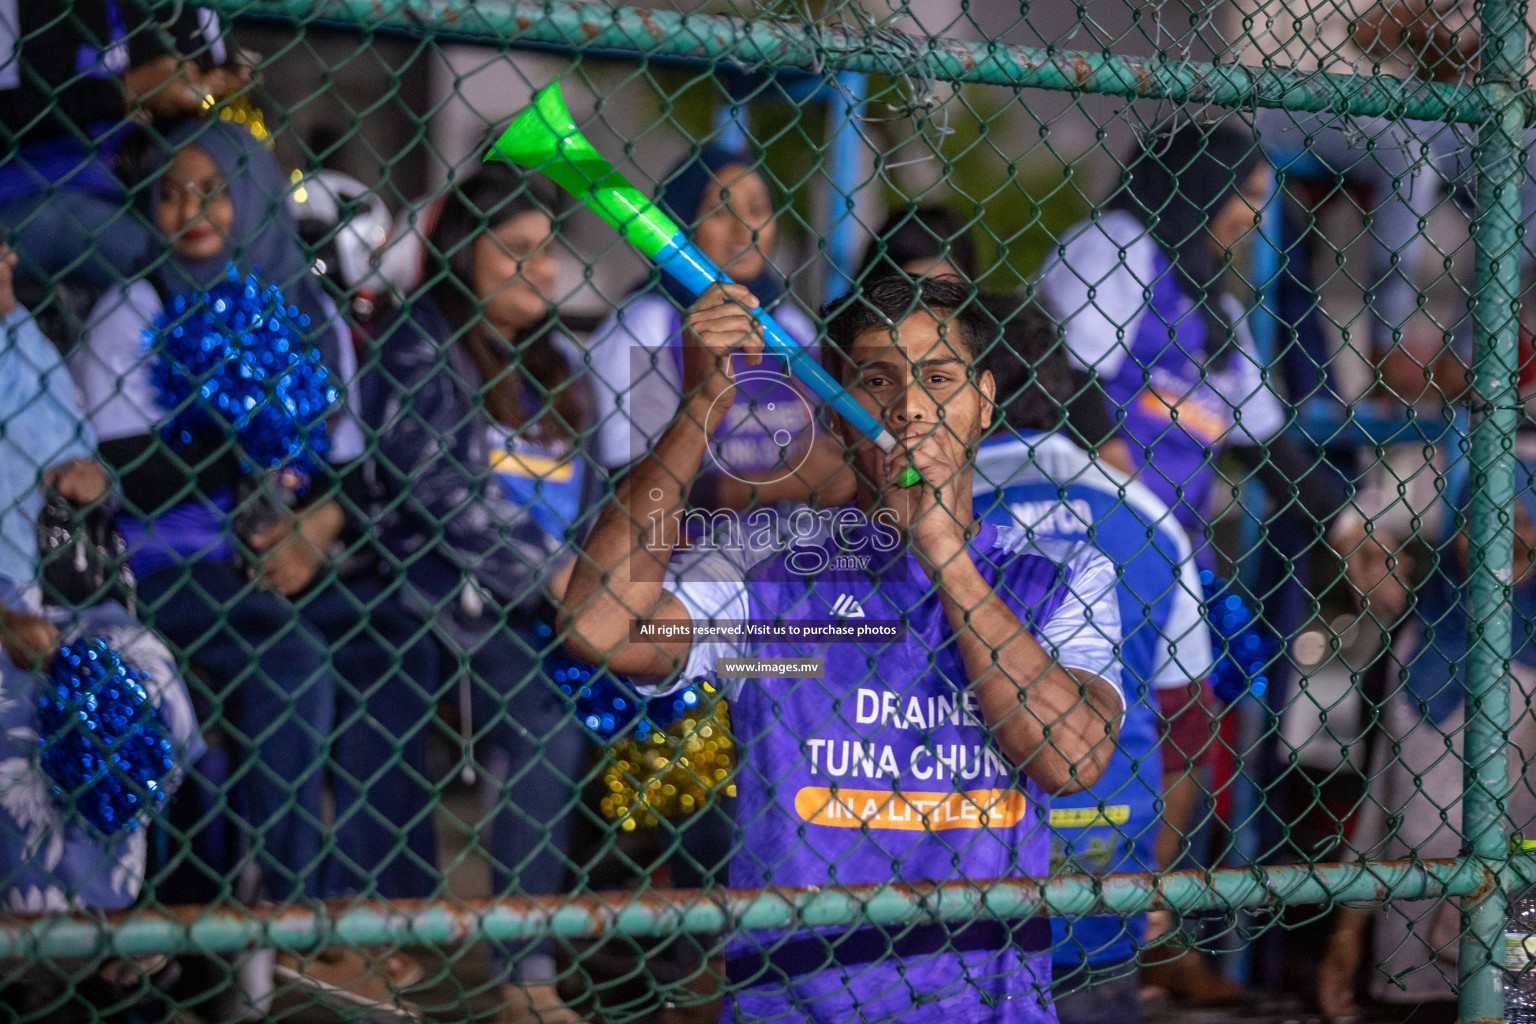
x=217, y=204
x=766, y=451
x=261, y=237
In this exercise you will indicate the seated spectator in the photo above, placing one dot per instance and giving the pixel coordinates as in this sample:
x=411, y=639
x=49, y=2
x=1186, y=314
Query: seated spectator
x=71, y=87
x=246, y=591
x=929, y=241
x=182, y=542
x=49, y=861
x=53, y=858
x=1031, y=475
x=1413, y=806
x=764, y=453
x=479, y=416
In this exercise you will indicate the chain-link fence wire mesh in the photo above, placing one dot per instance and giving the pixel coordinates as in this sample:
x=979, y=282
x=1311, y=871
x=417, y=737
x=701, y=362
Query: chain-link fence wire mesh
x=1230, y=363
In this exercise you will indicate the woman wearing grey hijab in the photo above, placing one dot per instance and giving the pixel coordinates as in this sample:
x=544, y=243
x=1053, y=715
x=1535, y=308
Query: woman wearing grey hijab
x=231, y=593
x=261, y=237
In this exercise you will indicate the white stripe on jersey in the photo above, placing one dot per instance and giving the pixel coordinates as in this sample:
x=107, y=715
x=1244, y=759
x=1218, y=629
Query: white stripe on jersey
x=1052, y=458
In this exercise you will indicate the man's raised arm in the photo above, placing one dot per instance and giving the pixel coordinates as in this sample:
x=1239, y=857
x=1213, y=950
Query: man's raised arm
x=1053, y=713
x=1057, y=724
x=619, y=576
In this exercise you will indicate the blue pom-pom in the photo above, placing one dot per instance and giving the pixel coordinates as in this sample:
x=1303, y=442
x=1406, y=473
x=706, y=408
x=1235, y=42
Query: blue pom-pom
x=608, y=706
x=104, y=744
x=1244, y=647
x=232, y=363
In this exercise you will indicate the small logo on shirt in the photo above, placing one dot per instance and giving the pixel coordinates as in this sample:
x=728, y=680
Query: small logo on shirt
x=846, y=607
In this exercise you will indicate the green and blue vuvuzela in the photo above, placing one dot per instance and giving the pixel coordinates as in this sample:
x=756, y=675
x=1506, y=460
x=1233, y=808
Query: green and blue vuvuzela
x=545, y=138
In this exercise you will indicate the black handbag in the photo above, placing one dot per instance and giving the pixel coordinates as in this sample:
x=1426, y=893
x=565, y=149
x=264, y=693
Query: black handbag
x=82, y=555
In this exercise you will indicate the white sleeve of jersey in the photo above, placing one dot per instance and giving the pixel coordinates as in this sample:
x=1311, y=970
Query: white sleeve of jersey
x=1186, y=650
x=638, y=385
x=1085, y=631
x=110, y=366
x=714, y=592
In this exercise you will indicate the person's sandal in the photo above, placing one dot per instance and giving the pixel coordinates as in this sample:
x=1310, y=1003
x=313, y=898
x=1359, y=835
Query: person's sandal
x=533, y=1004
x=350, y=979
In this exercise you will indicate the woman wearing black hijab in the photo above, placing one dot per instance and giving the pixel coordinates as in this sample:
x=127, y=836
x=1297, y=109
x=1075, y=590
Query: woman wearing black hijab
x=1169, y=377
x=928, y=241
x=258, y=601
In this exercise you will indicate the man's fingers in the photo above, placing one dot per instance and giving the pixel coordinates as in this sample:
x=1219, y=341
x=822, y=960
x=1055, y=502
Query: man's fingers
x=730, y=332
x=738, y=293
x=724, y=313
x=724, y=294
x=714, y=295
x=721, y=297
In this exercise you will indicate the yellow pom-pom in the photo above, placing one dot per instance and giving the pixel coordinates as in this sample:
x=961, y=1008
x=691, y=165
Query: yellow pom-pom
x=672, y=773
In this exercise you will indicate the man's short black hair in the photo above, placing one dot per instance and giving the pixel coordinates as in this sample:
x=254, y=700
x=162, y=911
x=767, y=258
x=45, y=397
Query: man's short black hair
x=882, y=305
x=1030, y=365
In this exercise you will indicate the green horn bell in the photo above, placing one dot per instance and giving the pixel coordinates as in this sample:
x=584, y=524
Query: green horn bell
x=544, y=138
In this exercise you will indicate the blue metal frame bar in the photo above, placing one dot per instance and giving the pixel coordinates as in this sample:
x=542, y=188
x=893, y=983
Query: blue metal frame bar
x=845, y=98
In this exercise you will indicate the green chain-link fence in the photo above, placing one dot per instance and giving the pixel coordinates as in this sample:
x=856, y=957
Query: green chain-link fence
x=1266, y=263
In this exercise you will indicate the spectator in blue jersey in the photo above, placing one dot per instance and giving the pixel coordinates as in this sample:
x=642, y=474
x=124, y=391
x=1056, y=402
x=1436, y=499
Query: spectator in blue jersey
x=1031, y=475
x=479, y=415
x=51, y=860
x=763, y=452
x=929, y=754
x=1141, y=291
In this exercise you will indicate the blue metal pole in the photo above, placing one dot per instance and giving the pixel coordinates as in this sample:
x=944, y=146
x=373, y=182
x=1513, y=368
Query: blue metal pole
x=1264, y=322
x=731, y=126
x=842, y=240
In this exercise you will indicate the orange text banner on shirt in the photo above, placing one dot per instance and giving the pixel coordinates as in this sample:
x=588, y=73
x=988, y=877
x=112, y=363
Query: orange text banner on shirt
x=918, y=812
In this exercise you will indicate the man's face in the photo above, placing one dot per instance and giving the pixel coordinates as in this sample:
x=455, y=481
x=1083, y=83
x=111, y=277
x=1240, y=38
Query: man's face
x=919, y=380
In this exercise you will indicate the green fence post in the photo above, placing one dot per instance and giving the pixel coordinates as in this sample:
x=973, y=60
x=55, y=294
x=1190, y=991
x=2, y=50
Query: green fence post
x=1495, y=305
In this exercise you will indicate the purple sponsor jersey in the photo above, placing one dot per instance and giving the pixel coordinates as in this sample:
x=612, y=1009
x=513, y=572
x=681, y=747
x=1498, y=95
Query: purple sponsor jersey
x=883, y=770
